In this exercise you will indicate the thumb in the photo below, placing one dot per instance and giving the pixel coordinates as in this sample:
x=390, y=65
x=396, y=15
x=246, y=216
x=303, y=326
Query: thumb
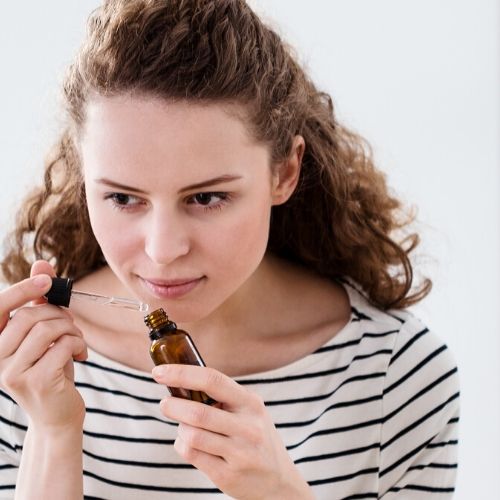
x=41, y=267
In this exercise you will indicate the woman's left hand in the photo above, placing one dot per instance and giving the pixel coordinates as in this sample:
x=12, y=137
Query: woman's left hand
x=235, y=443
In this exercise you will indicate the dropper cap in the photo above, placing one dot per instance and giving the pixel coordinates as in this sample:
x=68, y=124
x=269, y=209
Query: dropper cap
x=60, y=292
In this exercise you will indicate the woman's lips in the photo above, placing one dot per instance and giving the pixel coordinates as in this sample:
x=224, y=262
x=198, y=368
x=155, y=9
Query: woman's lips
x=172, y=289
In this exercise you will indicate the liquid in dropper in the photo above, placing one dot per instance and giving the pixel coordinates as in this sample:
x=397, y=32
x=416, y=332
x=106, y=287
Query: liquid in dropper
x=62, y=292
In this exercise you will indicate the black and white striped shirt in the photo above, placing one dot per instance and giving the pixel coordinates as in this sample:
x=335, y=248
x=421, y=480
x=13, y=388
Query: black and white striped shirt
x=371, y=414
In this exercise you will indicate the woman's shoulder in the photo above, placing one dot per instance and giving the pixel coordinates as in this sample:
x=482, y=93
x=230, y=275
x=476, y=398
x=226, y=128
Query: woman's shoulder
x=417, y=356
x=403, y=322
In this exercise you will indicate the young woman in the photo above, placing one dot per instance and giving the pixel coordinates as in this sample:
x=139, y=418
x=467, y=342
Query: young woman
x=201, y=171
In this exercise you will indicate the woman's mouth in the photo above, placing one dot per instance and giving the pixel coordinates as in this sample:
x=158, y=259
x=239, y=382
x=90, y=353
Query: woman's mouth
x=171, y=289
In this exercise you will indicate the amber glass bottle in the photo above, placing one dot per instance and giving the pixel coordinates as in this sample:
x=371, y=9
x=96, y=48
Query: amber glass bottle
x=171, y=345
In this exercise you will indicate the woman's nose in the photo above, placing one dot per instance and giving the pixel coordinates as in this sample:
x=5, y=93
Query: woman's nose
x=166, y=240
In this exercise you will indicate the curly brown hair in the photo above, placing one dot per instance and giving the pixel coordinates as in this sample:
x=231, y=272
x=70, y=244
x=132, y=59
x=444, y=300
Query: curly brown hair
x=341, y=221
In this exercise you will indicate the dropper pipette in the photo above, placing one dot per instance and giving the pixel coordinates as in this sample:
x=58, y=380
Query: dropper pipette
x=62, y=292
x=110, y=301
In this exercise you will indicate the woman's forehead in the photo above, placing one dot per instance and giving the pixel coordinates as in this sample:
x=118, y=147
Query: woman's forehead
x=164, y=139
x=151, y=117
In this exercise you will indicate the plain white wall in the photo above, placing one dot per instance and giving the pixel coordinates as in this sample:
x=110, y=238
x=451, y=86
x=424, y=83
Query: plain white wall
x=420, y=80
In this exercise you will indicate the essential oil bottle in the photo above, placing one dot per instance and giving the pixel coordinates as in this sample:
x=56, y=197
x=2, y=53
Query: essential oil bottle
x=171, y=345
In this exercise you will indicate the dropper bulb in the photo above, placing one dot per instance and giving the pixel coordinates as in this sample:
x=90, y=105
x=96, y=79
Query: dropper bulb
x=60, y=292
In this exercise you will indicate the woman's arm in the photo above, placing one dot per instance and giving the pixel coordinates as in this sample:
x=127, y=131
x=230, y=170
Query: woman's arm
x=37, y=346
x=51, y=465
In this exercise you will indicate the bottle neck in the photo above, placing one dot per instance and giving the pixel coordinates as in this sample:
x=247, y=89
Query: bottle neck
x=166, y=329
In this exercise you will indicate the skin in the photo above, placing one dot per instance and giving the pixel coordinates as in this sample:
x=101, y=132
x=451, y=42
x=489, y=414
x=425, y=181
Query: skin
x=141, y=158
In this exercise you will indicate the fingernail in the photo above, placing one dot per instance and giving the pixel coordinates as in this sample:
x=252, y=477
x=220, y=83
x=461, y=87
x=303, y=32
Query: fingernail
x=42, y=280
x=157, y=371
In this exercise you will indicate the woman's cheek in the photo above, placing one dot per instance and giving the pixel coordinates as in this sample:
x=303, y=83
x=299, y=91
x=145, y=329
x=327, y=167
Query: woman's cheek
x=116, y=237
x=247, y=238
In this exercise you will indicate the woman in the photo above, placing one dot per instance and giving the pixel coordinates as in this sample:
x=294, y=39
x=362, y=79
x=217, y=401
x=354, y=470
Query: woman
x=202, y=171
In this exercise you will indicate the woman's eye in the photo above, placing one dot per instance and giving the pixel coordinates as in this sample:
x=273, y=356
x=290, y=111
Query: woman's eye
x=209, y=200
x=122, y=201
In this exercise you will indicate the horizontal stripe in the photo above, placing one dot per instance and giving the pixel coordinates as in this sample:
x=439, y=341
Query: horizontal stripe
x=150, y=487
x=451, y=442
x=345, y=477
x=360, y=496
x=337, y=430
x=116, y=393
x=322, y=373
x=428, y=489
x=7, y=466
x=128, y=439
x=433, y=466
x=344, y=453
x=357, y=378
x=341, y=404
x=128, y=416
x=152, y=465
x=13, y=424
x=118, y=372
x=355, y=342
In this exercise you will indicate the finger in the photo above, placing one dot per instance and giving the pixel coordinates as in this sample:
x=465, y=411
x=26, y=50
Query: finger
x=21, y=293
x=205, y=462
x=57, y=357
x=41, y=337
x=200, y=378
x=206, y=441
x=23, y=321
x=41, y=267
x=48, y=368
x=200, y=415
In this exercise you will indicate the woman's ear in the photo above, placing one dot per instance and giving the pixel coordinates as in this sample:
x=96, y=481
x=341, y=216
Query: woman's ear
x=287, y=173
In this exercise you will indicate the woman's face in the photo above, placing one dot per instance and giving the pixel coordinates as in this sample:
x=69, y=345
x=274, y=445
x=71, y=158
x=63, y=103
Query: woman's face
x=179, y=197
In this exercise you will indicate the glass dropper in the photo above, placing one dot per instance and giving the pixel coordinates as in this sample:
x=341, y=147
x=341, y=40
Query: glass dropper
x=104, y=300
x=62, y=292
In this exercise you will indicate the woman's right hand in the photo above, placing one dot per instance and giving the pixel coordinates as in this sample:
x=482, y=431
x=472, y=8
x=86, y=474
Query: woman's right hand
x=38, y=343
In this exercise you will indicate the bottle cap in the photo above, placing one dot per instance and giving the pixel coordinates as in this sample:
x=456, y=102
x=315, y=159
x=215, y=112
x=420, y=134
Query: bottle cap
x=60, y=292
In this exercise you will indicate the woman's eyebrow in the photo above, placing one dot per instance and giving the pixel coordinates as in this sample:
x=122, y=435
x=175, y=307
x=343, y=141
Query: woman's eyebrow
x=216, y=180
x=210, y=182
x=117, y=185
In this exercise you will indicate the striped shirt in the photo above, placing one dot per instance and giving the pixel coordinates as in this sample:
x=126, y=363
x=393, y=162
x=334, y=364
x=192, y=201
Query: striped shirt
x=373, y=413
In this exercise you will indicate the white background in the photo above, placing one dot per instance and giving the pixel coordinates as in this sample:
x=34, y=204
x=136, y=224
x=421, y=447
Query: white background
x=420, y=80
